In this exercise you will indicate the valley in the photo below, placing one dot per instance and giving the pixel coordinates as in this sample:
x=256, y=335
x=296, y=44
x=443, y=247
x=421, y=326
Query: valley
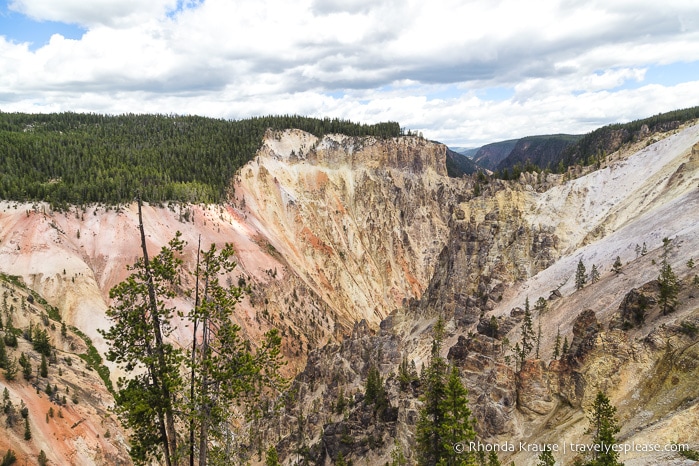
x=354, y=247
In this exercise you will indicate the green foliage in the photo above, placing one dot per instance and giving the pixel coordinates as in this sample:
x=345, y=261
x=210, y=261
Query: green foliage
x=580, y=276
x=397, y=456
x=611, y=137
x=153, y=400
x=407, y=374
x=564, y=348
x=493, y=459
x=26, y=366
x=43, y=459
x=3, y=354
x=9, y=459
x=616, y=267
x=272, y=458
x=11, y=369
x=457, y=424
x=594, y=272
x=141, y=320
x=27, y=430
x=689, y=328
x=226, y=370
x=557, y=345
x=375, y=392
x=541, y=305
x=93, y=359
x=43, y=368
x=528, y=339
x=71, y=158
x=546, y=457
x=667, y=282
x=689, y=454
x=341, y=401
x=444, y=417
x=604, y=426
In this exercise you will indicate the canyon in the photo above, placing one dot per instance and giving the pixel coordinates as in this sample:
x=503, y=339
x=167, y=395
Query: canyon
x=354, y=246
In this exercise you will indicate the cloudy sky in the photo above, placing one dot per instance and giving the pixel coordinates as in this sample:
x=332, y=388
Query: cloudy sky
x=464, y=72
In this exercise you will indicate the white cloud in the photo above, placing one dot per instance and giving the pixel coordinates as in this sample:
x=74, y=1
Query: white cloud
x=569, y=62
x=94, y=12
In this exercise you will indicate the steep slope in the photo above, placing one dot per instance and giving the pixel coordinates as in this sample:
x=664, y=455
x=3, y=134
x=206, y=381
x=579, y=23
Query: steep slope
x=459, y=165
x=512, y=243
x=72, y=424
x=490, y=155
x=327, y=231
x=353, y=246
x=540, y=151
x=361, y=219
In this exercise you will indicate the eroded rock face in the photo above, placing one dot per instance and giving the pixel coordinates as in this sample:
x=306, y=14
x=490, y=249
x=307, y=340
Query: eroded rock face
x=361, y=219
x=585, y=330
x=534, y=394
x=490, y=246
x=635, y=306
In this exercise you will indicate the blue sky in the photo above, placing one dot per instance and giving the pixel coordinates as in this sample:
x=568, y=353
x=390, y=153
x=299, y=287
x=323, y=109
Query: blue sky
x=19, y=28
x=463, y=72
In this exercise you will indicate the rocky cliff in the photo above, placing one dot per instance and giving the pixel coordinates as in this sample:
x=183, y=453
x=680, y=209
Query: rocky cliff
x=523, y=240
x=354, y=247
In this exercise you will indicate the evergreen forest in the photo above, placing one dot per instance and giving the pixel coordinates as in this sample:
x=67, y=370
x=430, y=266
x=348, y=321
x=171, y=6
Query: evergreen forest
x=75, y=158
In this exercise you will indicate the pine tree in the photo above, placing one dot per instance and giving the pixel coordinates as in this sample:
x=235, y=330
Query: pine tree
x=644, y=251
x=546, y=457
x=43, y=368
x=528, y=339
x=427, y=436
x=564, y=349
x=3, y=354
x=557, y=345
x=397, y=456
x=341, y=401
x=373, y=385
x=457, y=425
x=137, y=339
x=580, y=276
x=605, y=427
x=27, y=430
x=538, y=340
x=9, y=458
x=26, y=366
x=11, y=369
x=406, y=374
x=223, y=366
x=226, y=370
x=541, y=305
x=594, y=274
x=6, y=402
x=616, y=267
x=272, y=458
x=493, y=459
x=43, y=459
x=668, y=282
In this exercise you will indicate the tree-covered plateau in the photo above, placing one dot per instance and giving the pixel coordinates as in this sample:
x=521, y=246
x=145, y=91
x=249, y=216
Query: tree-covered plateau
x=75, y=158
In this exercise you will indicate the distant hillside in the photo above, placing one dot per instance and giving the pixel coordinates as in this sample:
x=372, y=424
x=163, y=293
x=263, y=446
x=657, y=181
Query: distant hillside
x=72, y=158
x=469, y=152
x=459, y=165
x=610, y=138
x=490, y=155
x=541, y=151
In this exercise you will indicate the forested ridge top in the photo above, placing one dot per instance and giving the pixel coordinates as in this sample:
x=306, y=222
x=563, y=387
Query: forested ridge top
x=76, y=158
